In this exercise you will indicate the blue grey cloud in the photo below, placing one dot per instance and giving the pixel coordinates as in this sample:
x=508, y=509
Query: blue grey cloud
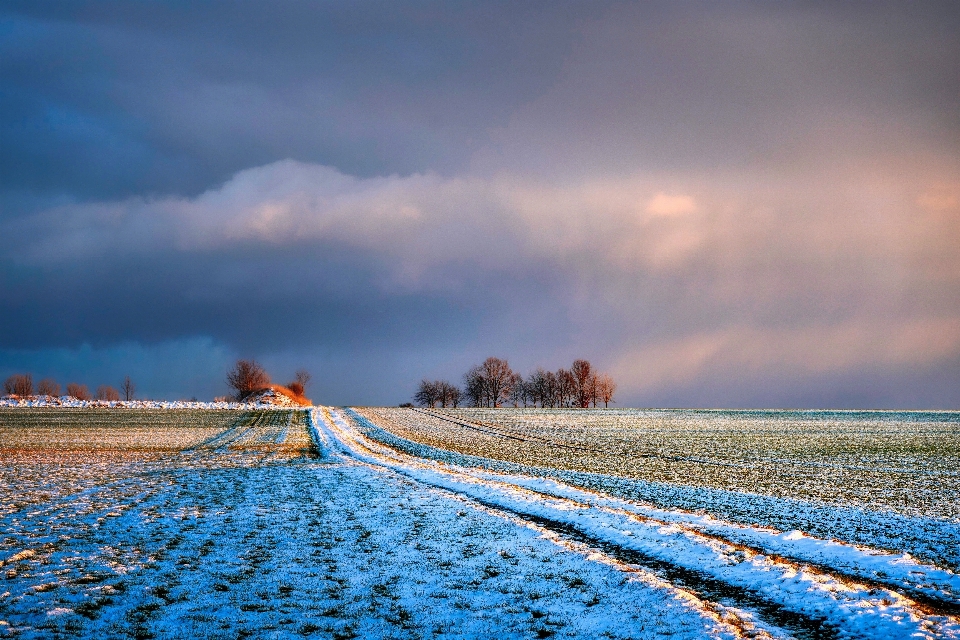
x=724, y=204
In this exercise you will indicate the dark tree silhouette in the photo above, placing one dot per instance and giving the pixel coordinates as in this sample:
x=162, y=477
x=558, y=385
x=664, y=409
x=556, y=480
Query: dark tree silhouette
x=303, y=377
x=127, y=388
x=427, y=395
x=582, y=371
x=498, y=379
x=247, y=377
x=450, y=394
x=566, y=388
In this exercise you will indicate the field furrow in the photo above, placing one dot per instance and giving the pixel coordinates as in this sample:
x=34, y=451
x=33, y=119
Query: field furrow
x=828, y=599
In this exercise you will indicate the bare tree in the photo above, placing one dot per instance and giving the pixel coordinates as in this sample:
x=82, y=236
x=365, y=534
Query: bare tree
x=48, y=387
x=592, y=391
x=551, y=389
x=498, y=379
x=127, y=388
x=474, y=387
x=19, y=384
x=107, y=393
x=78, y=391
x=299, y=384
x=536, y=387
x=427, y=395
x=448, y=394
x=606, y=387
x=566, y=388
x=247, y=377
x=519, y=393
x=581, y=371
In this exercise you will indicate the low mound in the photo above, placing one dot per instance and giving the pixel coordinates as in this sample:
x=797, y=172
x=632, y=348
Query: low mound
x=278, y=395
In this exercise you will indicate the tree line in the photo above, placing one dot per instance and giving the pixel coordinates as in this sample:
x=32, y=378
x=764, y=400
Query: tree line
x=493, y=384
x=21, y=384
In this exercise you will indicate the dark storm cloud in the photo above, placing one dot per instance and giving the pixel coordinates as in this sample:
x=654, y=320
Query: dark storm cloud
x=723, y=204
x=114, y=99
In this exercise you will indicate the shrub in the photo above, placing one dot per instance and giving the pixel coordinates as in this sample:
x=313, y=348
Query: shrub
x=20, y=384
x=78, y=391
x=48, y=387
x=107, y=393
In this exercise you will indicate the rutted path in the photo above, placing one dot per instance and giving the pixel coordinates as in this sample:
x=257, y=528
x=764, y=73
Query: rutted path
x=254, y=534
x=805, y=599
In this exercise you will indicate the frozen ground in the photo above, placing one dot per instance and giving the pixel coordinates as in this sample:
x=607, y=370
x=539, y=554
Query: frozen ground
x=245, y=534
x=293, y=524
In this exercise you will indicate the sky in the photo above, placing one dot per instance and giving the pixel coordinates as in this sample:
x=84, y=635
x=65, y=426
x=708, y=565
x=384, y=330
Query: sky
x=721, y=204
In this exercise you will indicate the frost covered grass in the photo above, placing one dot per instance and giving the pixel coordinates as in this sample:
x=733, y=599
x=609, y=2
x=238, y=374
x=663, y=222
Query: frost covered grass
x=260, y=529
x=327, y=523
x=935, y=540
x=906, y=462
x=47, y=429
x=809, y=586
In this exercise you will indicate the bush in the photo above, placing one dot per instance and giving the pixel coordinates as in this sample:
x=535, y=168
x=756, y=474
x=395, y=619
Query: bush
x=78, y=391
x=296, y=387
x=107, y=393
x=48, y=387
x=20, y=384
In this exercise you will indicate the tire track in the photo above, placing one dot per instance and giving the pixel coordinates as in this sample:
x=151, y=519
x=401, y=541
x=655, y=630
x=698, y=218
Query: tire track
x=790, y=611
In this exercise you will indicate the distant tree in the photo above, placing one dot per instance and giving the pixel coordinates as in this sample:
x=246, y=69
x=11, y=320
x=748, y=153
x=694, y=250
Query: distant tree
x=519, y=394
x=299, y=384
x=498, y=379
x=107, y=393
x=489, y=384
x=551, y=390
x=592, y=391
x=474, y=387
x=606, y=387
x=582, y=371
x=566, y=388
x=448, y=393
x=303, y=377
x=78, y=391
x=48, y=387
x=247, y=377
x=535, y=387
x=406, y=405
x=19, y=384
x=127, y=388
x=427, y=395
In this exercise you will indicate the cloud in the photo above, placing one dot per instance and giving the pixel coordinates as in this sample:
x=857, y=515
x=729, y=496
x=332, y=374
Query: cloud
x=666, y=205
x=768, y=251
x=722, y=196
x=181, y=368
x=753, y=352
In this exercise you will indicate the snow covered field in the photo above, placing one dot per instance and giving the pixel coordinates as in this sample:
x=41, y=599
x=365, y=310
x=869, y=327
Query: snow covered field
x=336, y=523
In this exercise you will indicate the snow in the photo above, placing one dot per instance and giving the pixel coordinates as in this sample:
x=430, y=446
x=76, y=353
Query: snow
x=933, y=539
x=855, y=609
x=298, y=523
x=229, y=540
x=266, y=400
